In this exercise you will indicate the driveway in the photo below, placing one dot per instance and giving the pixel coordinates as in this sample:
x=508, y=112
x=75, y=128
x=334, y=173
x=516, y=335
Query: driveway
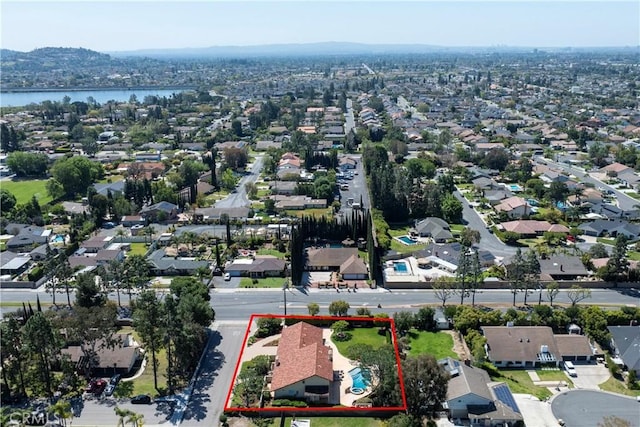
x=586, y=408
x=590, y=376
x=535, y=412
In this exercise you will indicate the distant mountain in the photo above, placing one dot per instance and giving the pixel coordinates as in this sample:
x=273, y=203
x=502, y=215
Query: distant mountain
x=291, y=49
x=54, y=54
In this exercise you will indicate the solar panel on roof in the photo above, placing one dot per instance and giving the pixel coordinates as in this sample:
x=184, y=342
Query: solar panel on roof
x=503, y=393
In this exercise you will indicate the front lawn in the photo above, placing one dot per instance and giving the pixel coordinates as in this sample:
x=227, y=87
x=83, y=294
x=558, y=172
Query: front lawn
x=272, y=252
x=359, y=336
x=144, y=383
x=25, y=189
x=604, y=241
x=398, y=231
x=328, y=212
x=616, y=386
x=269, y=282
x=438, y=344
x=520, y=382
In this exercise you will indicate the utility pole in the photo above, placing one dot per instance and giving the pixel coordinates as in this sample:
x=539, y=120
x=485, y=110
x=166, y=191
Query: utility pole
x=285, y=285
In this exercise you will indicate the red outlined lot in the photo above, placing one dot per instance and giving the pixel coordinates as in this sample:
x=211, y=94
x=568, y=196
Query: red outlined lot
x=318, y=410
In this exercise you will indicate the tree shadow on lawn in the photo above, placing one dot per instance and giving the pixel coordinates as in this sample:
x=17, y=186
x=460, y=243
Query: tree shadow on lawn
x=211, y=364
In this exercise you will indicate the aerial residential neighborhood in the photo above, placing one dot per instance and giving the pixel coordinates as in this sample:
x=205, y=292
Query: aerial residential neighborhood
x=423, y=238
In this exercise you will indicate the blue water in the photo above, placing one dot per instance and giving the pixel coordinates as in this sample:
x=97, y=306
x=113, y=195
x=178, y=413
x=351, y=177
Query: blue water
x=18, y=99
x=358, y=379
x=400, y=267
x=58, y=239
x=407, y=240
x=515, y=187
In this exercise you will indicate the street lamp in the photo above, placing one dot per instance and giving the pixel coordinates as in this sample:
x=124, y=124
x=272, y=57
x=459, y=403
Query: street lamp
x=285, y=285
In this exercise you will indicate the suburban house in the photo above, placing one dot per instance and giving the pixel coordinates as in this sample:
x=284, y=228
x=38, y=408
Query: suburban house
x=303, y=367
x=433, y=227
x=530, y=227
x=299, y=203
x=119, y=359
x=447, y=256
x=160, y=211
x=532, y=346
x=625, y=343
x=347, y=163
x=115, y=188
x=562, y=267
x=513, y=207
x=83, y=258
x=96, y=243
x=612, y=228
x=131, y=220
x=261, y=266
x=13, y=264
x=283, y=187
x=354, y=268
x=471, y=395
x=26, y=236
x=328, y=259
x=162, y=265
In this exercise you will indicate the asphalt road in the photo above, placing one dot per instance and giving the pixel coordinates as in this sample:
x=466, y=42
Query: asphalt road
x=239, y=198
x=218, y=366
x=488, y=241
x=102, y=412
x=586, y=408
x=350, y=121
x=239, y=304
x=625, y=202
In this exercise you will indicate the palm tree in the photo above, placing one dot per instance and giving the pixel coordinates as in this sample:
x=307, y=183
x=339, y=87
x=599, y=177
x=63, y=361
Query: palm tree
x=62, y=409
x=136, y=419
x=121, y=233
x=151, y=231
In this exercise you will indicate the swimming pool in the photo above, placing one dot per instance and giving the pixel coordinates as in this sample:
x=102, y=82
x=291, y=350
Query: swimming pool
x=360, y=383
x=400, y=267
x=406, y=240
x=58, y=239
x=515, y=187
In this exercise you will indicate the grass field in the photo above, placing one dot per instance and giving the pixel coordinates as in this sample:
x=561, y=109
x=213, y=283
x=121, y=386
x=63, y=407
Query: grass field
x=144, y=383
x=439, y=344
x=269, y=282
x=403, y=249
x=328, y=212
x=616, y=386
x=360, y=336
x=138, y=249
x=271, y=252
x=24, y=190
x=520, y=382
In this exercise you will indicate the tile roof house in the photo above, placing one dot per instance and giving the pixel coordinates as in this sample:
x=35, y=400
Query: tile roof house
x=354, y=268
x=328, y=259
x=303, y=366
x=513, y=207
x=625, y=341
x=533, y=227
x=436, y=228
x=531, y=346
x=472, y=395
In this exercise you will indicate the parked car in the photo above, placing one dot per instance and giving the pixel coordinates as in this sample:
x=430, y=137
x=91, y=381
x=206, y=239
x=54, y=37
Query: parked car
x=141, y=399
x=227, y=277
x=109, y=390
x=115, y=379
x=96, y=386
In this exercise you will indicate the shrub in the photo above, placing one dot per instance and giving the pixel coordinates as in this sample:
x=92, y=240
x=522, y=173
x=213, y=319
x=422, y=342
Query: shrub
x=287, y=402
x=35, y=274
x=342, y=336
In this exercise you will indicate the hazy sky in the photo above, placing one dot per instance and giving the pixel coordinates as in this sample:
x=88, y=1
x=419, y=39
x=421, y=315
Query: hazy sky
x=130, y=25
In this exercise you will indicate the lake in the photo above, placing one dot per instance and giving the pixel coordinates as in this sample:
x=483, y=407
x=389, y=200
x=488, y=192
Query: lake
x=19, y=99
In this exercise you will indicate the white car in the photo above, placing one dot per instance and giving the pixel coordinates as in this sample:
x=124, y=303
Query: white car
x=227, y=277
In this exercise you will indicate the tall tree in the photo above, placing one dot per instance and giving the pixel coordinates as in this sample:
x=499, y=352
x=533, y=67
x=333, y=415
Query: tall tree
x=41, y=341
x=516, y=272
x=425, y=384
x=147, y=319
x=532, y=275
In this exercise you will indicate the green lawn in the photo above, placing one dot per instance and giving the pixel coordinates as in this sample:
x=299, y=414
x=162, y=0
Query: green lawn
x=520, y=382
x=398, y=231
x=144, y=383
x=439, y=344
x=138, y=249
x=604, y=241
x=360, y=336
x=633, y=256
x=272, y=252
x=328, y=212
x=111, y=178
x=269, y=282
x=616, y=386
x=402, y=248
x=554, y=375
x=25, y=189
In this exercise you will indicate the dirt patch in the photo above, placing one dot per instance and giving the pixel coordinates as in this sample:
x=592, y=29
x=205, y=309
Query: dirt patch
x=459, y=346
x=240, y=422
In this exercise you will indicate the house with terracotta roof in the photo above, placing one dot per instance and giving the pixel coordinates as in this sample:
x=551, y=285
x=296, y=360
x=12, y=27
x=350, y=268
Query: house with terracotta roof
x=303, y=368
x=513, y=207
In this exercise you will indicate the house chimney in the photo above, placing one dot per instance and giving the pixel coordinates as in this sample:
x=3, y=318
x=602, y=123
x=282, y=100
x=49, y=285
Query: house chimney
x=467, y=362
x=561, y=267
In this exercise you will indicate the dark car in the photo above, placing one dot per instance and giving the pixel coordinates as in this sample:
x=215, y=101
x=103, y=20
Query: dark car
x=141, y=399
x=115, y=379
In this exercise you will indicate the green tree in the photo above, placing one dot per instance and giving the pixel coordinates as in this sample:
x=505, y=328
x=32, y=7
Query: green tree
x=88, y=292
x=25, y=164
x=578, y=293
x=7, y=200
x=62, y=410
x=617, y=267
x=425, y=384
x=340, y=326
x=147, y=319
x=443, y=288
x=469, y=237
x=268, y=326
x=313, y=308
x=13, y=355
x=403, y=321
x=451, y=209
x=54, y=189
x=41, y=341
x=135, y=273
x=339, y=308
x=424, y=319
x=516, y=273
x=76, y=174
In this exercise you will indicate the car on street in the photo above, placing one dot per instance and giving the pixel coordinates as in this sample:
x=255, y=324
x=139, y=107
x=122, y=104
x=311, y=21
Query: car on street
x=109, y=390
x=227, y=277
x=141, y=399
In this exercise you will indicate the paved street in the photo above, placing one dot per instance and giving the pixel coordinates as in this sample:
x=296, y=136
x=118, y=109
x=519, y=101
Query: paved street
x=102, y=413
x=350, y=121
x=212, y=385
x=239, y=198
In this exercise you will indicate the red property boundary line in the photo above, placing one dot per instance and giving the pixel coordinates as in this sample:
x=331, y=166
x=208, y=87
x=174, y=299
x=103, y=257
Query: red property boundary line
x=314, y=409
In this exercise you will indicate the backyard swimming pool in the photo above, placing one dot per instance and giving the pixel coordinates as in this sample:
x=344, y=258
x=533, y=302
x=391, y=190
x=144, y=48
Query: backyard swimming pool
x=58, y=239
x=407, y=240
x=515, y=187
x=400, y=267
x=360, y=383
